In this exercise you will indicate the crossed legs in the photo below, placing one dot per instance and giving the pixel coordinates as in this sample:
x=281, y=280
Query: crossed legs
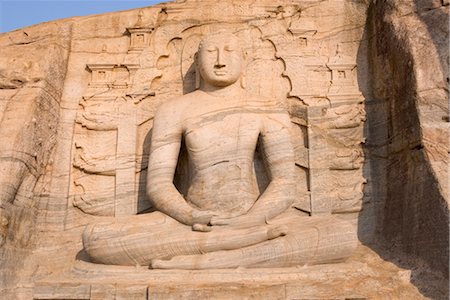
x=309, y=240
x=138, y=240
x=163, y=243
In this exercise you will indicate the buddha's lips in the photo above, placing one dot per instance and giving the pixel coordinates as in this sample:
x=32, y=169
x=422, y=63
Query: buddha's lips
x=220, y=73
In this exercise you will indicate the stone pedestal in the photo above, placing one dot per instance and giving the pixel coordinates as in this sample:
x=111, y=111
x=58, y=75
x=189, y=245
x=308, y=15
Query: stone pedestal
x=364, y=276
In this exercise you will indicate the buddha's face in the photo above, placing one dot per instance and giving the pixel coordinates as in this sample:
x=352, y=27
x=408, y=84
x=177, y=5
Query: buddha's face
x=220, y=60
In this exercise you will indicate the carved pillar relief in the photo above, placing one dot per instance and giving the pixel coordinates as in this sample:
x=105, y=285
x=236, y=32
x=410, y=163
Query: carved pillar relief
x=335, y=133
x=326, y=105
x=94, y=159
x=105, y=161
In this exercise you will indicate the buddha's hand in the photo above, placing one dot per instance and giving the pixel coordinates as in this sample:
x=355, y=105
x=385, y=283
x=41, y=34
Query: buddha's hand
x=242, y=221
x=201, y=219
x=202, y=216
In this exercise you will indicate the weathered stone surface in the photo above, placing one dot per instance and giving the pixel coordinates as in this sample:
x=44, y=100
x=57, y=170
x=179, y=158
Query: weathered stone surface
x=353, y=279
x=225, y=218
x=32, y=66
x=365, y=84
x=410, y=137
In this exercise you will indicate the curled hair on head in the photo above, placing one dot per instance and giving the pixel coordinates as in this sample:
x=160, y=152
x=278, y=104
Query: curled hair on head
x=220, y=33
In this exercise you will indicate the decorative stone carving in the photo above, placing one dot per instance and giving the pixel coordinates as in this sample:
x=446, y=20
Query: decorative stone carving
x=343, y=78
x=110, y=75
x=304, y=29
x=111, y=116
x=345, y=116
x=350, y=191
x=347, y=159
x=335, y=136
x=104, y=165
x=139, y=35
x=101, y=75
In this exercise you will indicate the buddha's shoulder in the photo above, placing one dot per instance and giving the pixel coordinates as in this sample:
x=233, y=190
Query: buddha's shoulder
x=265, y=103
x=177, y=105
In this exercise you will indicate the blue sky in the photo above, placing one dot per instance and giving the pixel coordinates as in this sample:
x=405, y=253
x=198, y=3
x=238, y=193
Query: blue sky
x=20, y=13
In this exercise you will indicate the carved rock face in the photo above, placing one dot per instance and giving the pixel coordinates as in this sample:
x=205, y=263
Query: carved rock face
x=220, y=60
x=77, y=104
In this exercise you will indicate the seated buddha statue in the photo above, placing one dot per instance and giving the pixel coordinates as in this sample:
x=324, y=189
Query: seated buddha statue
x=223, y=220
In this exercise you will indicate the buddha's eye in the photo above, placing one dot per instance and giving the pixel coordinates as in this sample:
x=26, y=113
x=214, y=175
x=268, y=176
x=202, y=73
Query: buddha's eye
x=211, y=50
x=230, y=49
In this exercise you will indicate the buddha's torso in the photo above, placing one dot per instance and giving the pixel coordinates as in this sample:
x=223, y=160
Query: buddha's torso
x=221, y=139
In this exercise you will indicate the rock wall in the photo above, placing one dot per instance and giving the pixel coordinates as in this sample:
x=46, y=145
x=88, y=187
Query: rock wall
x=33, y=64
x=77, y=97
x=408, y=125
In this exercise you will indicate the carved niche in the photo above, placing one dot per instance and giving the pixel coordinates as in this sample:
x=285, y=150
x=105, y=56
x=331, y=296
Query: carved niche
x=287, y=61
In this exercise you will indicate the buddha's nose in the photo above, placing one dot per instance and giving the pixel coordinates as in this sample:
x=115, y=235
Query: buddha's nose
x=219, y=60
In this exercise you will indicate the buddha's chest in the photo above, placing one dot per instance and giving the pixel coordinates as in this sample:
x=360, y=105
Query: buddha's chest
x=222, y=133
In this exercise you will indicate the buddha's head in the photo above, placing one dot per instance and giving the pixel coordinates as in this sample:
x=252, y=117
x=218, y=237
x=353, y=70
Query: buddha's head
x=220, y=59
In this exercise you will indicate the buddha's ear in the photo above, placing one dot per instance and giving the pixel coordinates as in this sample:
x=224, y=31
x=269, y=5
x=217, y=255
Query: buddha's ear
x=243, y=77
x=197, y=72
x=196, y=59
x=244, y=69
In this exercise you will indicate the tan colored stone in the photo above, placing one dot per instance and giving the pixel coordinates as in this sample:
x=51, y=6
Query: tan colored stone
x=365, y=86
x=224, y=220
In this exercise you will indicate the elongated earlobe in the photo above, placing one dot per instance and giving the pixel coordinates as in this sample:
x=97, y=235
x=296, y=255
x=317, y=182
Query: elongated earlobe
x=244, y=70
x=197, y=72
x=243, y=81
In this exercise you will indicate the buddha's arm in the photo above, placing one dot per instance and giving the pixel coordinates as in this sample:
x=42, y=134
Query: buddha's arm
x=165, y=147
x=279, y=158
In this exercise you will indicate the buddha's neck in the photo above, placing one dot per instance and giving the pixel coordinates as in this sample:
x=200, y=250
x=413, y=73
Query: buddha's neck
x=230, y=91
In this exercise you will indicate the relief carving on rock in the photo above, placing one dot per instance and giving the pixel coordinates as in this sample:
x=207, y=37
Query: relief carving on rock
x=119, y=107
x=323, y=100
x=106, y=160
x=139, y=35
x=203, y=134
x=224, y=220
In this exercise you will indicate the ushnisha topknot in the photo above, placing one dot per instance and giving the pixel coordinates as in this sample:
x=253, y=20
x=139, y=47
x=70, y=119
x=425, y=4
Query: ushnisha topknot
x=221, y=34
